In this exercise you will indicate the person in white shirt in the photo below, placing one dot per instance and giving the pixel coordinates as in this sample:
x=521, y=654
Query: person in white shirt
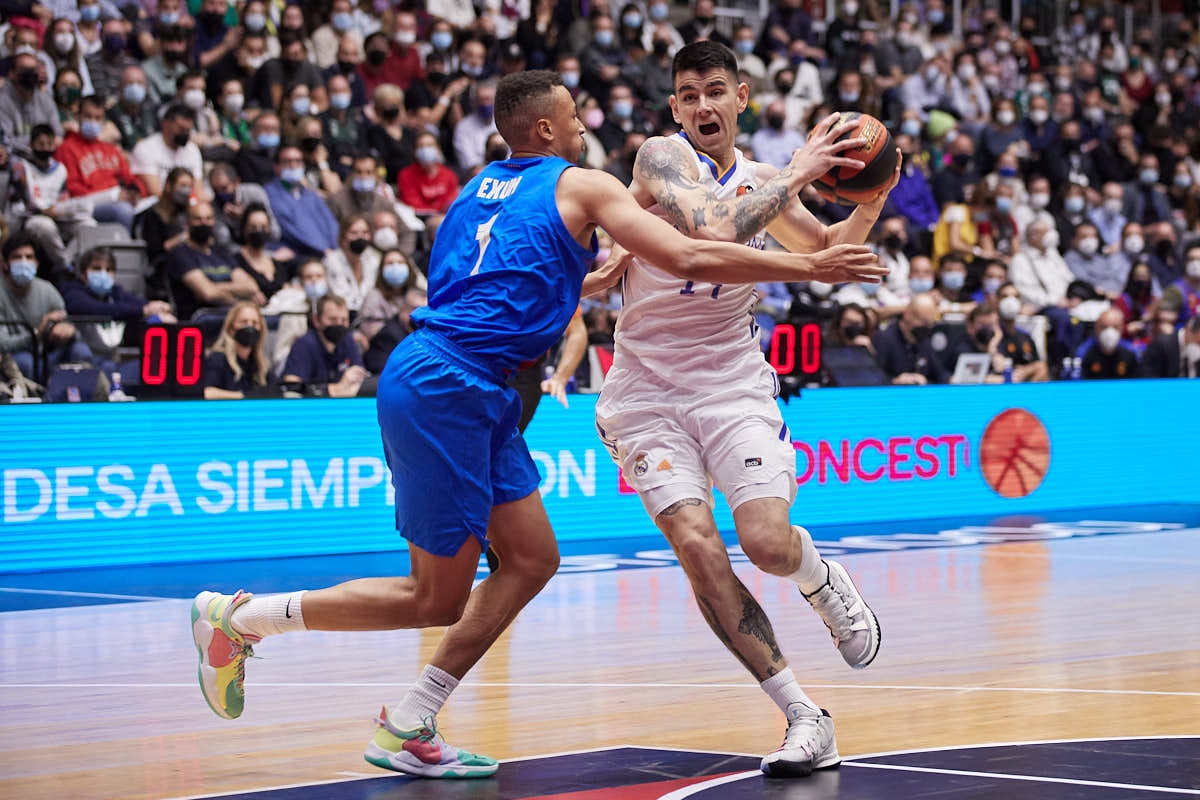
x=171, y=147
x=1039, y=271
x=472, y=131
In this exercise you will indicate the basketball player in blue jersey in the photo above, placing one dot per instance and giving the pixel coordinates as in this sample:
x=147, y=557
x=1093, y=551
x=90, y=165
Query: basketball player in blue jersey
x=690, y=400
x=504, y=279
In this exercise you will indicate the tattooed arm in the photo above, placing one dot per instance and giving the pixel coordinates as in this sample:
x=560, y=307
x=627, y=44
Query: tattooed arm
x=665, y=173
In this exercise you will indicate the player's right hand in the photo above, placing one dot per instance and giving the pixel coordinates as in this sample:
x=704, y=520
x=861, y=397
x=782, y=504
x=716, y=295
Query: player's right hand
x=847, y=263
x=822, y=152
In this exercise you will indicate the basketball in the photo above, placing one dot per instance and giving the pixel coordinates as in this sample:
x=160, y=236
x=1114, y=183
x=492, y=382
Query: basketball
x=850, y=186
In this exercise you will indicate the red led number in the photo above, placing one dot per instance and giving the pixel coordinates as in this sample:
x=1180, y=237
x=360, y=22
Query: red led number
x=788, y=344
x=189, y=344
x=154, y=356
x=783, y=344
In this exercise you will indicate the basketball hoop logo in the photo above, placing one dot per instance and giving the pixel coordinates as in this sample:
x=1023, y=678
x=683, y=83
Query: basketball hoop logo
x=1014, y=453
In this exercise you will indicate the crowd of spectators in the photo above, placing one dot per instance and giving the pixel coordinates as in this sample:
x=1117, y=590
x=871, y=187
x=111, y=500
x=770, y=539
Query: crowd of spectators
x=287, y=165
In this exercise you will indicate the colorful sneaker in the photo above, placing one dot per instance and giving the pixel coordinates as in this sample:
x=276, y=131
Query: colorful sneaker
x=423, y=752
x=223, y=652
x=851, y=622
x=807, y=745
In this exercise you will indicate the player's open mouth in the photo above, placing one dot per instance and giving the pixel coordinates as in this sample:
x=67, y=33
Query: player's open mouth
x=709, y=128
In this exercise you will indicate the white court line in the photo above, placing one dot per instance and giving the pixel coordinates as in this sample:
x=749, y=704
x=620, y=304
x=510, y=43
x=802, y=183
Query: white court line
x=489, y=685
x=1031, y=778
x=688, y=791
x=65, y=593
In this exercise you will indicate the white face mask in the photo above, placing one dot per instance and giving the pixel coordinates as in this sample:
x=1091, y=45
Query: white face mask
x=1108, y=339
x=1039, y=200
x=820, y=289
x=1112, y=205
x=1005, y=116
x=1191, y=355
x=1089, y=245
x=1050, y=240
x=1009, y=307
x=1193, y=269
x=1134, y=244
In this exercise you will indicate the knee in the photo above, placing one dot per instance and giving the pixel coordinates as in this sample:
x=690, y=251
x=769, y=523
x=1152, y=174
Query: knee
x=537, y=567
x=703, y=556
x=772, y=551
x=440, y=609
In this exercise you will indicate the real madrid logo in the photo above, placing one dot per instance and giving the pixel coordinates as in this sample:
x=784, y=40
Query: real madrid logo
x=641, y=465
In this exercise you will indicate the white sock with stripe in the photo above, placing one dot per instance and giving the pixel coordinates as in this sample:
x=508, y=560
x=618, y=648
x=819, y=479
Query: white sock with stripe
x=424, y=699
x=270, y=615
x=783, y=689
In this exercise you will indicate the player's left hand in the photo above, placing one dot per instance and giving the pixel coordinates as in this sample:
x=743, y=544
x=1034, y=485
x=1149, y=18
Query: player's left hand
x=880, y=198
x=556, y=389
x=607, y=274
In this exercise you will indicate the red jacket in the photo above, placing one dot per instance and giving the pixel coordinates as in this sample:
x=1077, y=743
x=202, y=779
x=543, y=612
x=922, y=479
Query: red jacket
x=425, y=193
x=93, y=166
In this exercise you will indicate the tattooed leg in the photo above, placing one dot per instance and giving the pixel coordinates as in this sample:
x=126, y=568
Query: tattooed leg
x=726, y=604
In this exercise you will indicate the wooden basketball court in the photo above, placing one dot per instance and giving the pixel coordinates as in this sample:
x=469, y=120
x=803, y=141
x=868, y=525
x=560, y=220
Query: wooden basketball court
x=1065, y=638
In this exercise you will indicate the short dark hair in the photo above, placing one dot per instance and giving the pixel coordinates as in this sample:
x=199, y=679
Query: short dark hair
x=326, y=300
x=521, y=97
x=41, y=129
x=21, y=238
x=95, y=255
x=980, y=310
x=178, y=111
x=703, y=56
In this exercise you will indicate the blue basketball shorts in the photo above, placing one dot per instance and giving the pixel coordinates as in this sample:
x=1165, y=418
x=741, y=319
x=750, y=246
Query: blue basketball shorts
x=449, y=426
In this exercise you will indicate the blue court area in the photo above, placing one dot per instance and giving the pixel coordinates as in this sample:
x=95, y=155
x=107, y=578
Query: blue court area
x=1108, y=769
x=100, y=585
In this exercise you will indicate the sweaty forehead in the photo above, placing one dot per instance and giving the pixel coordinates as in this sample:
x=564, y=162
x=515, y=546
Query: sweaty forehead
x=690, y=79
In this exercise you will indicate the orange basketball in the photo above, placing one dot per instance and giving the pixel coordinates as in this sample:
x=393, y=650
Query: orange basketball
x=850, y=186
x=1015, y=453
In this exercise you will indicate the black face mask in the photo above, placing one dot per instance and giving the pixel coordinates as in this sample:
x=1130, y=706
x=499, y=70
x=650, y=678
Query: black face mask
x=1165, y=247
x=389, y=113
x=335, y=333
x=892, y=241
x=27, y=78
x=181, y=139
x=962, y=160
x=347, y=67
x=224, y=198
x=783, y=87
x=984, y=334
x=852, y=331
x=200, y=234
x=358, y=246
x=310, y=143
x=247, y=337
x=210, y=22
x=1139, y=288
x=376, y=57
x=258, y=239
x=435, y=78
x=661, y=46
x=775, y=122
x=922, y=332
x=43, y=155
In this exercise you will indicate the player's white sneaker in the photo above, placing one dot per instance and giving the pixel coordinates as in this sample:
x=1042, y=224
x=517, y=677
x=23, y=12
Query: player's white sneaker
x=807, y=745
x=851, y=623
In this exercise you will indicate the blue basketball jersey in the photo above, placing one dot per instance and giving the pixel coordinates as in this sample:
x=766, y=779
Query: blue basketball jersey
x=505, y=273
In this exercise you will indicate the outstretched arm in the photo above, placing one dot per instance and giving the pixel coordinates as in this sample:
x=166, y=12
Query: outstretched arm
x=665, y=173
x=593, y=197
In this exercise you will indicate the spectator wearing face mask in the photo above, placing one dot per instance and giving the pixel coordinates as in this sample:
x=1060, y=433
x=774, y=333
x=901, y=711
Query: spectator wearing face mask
x=1105, y=354
x=773, y=143
x=293, y=305
x=980, y=334
x=1109, y=218
x=256, y=162
x=154, y=157
x=108, y=63
x=172, y=61
x=1089, y=263
x=307, y=225
x=1184, y=293
x=1145, y=200
x=97, y=169
x=362, y=195
x=903, y=349
x=851, y=326
x=472, y=131
x=624, y=118
x=1039, y=271
x=994, y=275
x=327, y=358
x=390, y=136
x=269, y=269
x=23, y=104
x=95, y=293
x=385, y=319
x=952, y=287
x=44, y=210
x=354, y=266
x=427, y=185
x=341, y=126
x=1138, y=303
x=236, y=365
x=1034, y=205
x=203, y=275
x=1162, y=253
x=24, y=296
x=1015, y=343
x=1175, y=354
x=133, y=113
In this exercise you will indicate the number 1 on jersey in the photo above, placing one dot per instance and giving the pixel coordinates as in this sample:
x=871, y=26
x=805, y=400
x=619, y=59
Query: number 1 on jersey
x=483, y=235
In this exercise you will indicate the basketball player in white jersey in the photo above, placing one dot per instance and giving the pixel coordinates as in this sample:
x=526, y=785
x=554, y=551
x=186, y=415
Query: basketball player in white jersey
x=690, y=400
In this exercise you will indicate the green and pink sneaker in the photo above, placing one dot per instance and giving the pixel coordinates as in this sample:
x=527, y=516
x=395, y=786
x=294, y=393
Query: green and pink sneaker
x=223, y=652
x=423, y=752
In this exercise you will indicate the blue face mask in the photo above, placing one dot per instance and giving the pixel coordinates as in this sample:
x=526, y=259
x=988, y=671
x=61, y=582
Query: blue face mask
x=101, y=283
x=1007, y=172
x=1003, y=204
x=632, y=20
x=341, y=21
x=936, y=16
x=954, y=280
x=339, y=101
x=604, y=38
x=570, y=79
x=659, y=12
x=395, y=274
x=622, y=108
x=441, y=40
x=911, y=127
x=134, y=93
x=363, y=184
x=255, y=22
x=1074, y=204
x=22, y=272
x=301, y=105
x=315, y=291
x=292, y=175
x=90, y=129
x=849, y=97
x=920, y=285
x=485, y=111
x=89, y=13
x=745, y=46
x=268, y=141
x=992, y=285
x=1148, y=176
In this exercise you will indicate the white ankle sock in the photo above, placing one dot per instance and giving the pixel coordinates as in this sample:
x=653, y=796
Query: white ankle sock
x=267, y=616
x=813, y=573
x=424, y=699
x=783, y=689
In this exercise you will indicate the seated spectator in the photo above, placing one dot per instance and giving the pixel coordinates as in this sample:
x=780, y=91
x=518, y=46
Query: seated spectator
x=624, y=117
x=428, y=185
x=256, y=162
x=327, y=357
x=851, y=326
x=1016, y=344
x=1039, y=271
x=1105, y=354
x=980, y=334
x=132, y=115
x=268, y=269
x=362, y=194
x=1109, y=218
x=952, y=285
x=472, y=131
x=276, y=76
x=68, y=90
x=341, y=125
x=1184, y=294
x=354, y=266
x=26, y=297
x=385, y=319
x=24, y=105
x=203, y=275
x=389, y=136
x=97, y=171
x=155, y=157
x=893, y=239
x=1175, y=354
x=167, y=66
x=902, y=349
x=231, y=198
x=163, y=226
x=308, y=226
x=106, y=63
x=995, y=275
x=66, y=52
x=230, y=104
x=236, y=365
x=1138, y=304
x=294, y=305
x=773, y=143
x=1090, y=264
x=1145, y=200
x=46, y=181
x=1162, y=253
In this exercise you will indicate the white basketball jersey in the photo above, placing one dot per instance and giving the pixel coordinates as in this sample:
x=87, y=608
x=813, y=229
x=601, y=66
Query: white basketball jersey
x=698, y=334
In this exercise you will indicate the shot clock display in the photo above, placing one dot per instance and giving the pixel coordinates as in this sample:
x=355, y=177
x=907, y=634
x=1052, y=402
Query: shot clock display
x=795, y=349
x=172, y=361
